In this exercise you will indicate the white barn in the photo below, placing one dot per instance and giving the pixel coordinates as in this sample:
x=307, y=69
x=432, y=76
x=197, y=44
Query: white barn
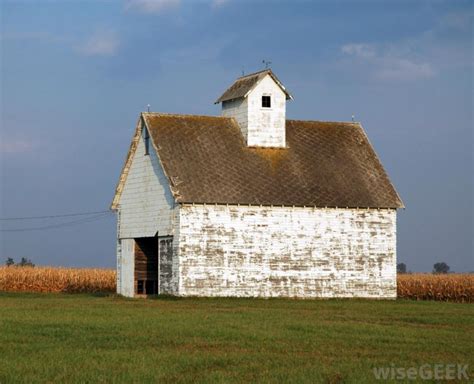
x=252, y=204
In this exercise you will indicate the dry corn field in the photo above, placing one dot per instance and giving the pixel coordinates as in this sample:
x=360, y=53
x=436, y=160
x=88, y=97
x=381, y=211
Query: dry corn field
x=48, y=279
x=452, y=287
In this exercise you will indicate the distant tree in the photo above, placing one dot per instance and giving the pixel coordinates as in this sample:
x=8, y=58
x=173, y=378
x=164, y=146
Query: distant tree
x=401, y=268
x=24, y=262
x=441, y=268
x=9, y=262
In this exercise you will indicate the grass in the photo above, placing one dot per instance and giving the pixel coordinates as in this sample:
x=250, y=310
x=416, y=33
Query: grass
x=86, y=338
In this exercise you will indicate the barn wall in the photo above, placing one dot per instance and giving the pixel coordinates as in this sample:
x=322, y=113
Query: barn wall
x=237, y=109
x=175, y=274
x=118, y=275
x=295, y=252
x=126, y=268
x=167, y=284
x=266, y=126
x=146, y=204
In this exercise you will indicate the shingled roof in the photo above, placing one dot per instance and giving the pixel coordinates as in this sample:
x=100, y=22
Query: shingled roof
x=243, y=85
x=325, y=164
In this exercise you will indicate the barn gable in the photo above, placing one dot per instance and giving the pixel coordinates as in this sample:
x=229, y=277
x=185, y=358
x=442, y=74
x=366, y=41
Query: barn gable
x=143, y=194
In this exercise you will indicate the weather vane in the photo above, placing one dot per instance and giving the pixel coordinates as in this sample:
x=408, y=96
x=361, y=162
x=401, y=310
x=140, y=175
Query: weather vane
x=267, y=63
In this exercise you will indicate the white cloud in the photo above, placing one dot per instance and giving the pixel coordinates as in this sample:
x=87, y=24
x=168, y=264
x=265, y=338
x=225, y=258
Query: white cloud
x=445, y=47
x=102, y=43
x=403, y=69
x=361, y=50
x=387, y=62
x=152, y=6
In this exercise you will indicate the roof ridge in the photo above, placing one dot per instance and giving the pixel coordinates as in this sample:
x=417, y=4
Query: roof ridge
x=183, y=115
x=327, y=121
x=228, y=117
x=255, y=73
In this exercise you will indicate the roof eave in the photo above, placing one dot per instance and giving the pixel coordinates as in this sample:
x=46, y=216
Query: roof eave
x=400, y=205
x=317, y=206
x=289, y=96
x=126, y=167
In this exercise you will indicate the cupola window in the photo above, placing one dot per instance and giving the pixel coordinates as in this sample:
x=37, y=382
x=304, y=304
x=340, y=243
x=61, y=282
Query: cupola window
x=266, y=102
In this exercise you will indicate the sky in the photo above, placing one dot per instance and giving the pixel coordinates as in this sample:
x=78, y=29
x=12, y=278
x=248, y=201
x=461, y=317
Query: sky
x=76, y=74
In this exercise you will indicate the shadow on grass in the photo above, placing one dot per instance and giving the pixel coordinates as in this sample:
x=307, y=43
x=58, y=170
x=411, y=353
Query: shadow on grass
x=164, y=297
x=97, y=294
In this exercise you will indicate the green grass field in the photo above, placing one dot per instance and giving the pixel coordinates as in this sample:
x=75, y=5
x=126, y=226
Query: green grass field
x=83, y=338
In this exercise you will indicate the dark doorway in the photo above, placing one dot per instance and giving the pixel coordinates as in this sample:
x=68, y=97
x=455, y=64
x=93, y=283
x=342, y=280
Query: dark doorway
x=146, y=266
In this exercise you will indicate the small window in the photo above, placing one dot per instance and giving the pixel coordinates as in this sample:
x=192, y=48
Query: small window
x=266, y=102
x=147, y=142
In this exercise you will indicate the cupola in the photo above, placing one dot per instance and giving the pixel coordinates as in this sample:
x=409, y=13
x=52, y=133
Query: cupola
x=258, y=104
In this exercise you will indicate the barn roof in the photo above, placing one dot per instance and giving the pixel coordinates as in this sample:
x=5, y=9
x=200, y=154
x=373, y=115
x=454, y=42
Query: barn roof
x=325, y=164
x=243, y=85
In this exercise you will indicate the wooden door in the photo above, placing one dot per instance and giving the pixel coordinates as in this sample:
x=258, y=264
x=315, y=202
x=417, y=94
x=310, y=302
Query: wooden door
x=146, y=265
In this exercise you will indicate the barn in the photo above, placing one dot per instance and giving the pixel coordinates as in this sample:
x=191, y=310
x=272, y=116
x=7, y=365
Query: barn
x=251, y=204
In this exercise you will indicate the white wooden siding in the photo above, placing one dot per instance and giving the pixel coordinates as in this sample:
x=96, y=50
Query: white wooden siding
x=260, y=127
x=266, y=126
x=126, y=268
x=295, y=252
x=146, y=204
x=238, y=109
x=175, y=266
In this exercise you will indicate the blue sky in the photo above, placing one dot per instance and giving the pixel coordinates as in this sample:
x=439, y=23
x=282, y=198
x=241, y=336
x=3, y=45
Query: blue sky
x=75, y=76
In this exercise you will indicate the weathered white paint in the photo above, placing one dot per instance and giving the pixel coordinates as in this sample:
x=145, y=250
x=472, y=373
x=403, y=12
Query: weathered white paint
x=174, y=286
x=266, y=126
x=238, y=109
x=165, y=265
x=261, y=127
x=282, y=251
x=146, y=204
x=118, y=276
x=126, y=270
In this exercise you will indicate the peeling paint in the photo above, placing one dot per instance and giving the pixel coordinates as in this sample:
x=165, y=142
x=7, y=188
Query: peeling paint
x=289, y=252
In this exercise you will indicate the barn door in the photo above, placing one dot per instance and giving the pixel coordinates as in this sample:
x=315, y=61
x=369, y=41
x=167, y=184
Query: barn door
x=165, y=262
x=146, y=263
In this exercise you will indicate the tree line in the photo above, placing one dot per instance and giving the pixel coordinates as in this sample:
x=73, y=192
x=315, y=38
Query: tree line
x=438, y=268
x=24, y=262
